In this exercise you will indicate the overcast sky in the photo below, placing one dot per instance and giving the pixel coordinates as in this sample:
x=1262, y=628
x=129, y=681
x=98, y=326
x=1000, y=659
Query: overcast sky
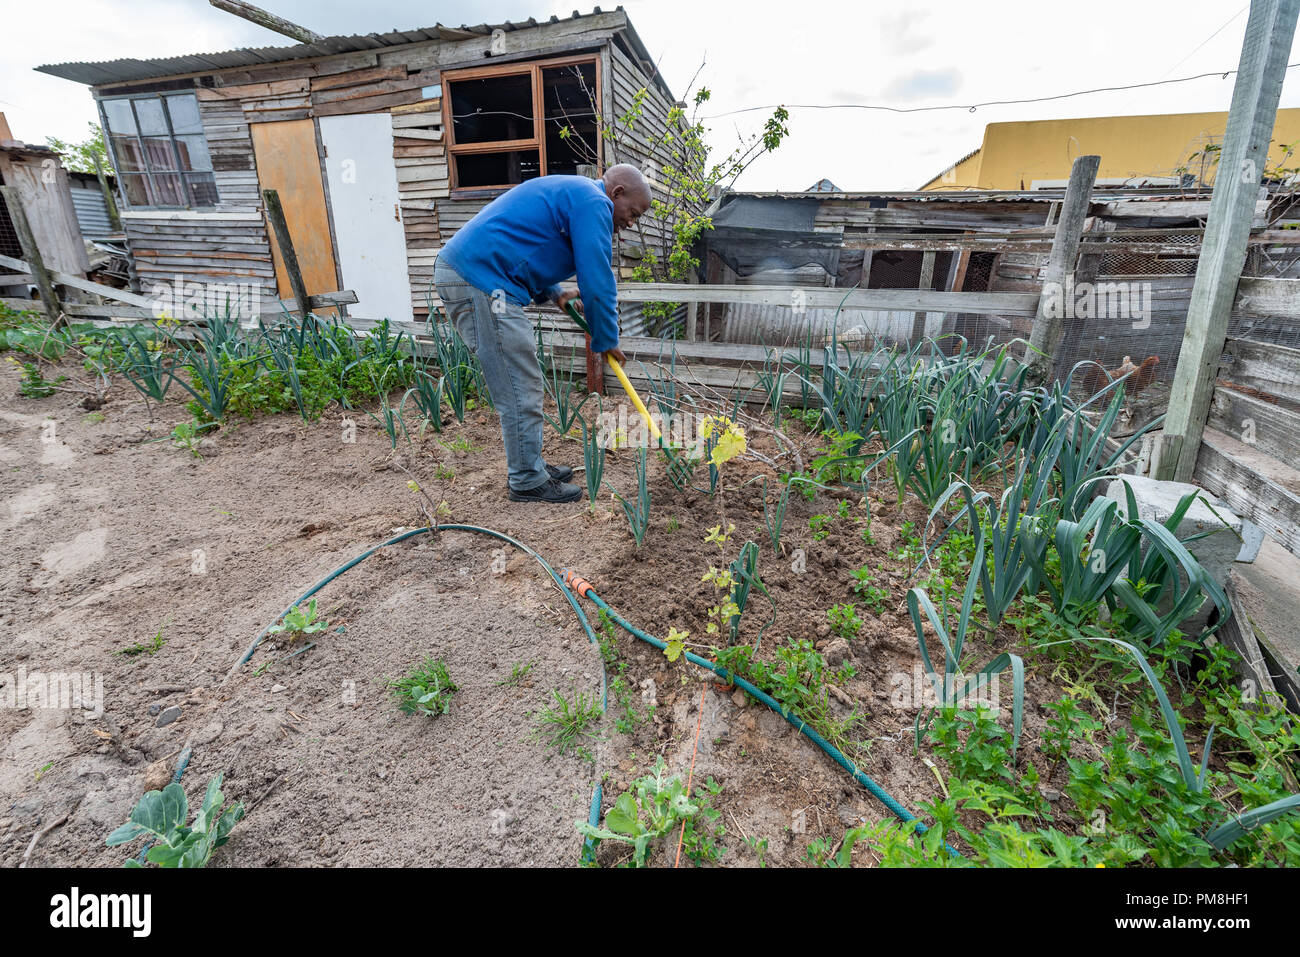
x=928, y=52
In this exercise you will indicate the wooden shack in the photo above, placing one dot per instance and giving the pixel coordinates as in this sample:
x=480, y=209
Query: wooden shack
x=43, y=189
x=1142, y=241
x=380, y=146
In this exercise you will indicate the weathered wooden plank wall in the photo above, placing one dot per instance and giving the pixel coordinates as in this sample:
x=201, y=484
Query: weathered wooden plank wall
x=230, y=240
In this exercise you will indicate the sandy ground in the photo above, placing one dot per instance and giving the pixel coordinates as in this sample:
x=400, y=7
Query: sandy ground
x=113, y=536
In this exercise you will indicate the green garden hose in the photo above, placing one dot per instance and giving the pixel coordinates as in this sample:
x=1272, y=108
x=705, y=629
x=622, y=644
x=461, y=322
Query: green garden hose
x=585, y=589
x=593, y=816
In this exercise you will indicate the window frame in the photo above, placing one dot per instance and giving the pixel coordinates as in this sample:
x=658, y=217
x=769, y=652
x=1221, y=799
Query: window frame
x=179, y=170
x=537, y=141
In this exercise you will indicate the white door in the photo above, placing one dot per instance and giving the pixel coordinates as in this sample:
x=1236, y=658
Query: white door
x=367, y=217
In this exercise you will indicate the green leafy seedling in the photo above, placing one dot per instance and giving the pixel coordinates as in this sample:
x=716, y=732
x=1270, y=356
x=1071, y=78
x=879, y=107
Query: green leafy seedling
x=569, y=721
x=161, y=816
x=651, y=808
x=426, y=689
x=299, y=622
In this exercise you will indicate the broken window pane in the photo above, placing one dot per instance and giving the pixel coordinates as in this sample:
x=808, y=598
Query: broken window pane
x=569, y=96
x=203, y=190
x=149, y=114
x=193, y=151
x=492, y=109
x=136, y=188
x=127, y=151
x=497, y=169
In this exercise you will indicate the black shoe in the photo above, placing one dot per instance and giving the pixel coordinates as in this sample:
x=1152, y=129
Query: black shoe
x=561, y=473
x=551, y=490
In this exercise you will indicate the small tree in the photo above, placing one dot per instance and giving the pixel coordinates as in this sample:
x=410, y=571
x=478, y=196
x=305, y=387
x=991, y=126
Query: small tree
x=80, y=157
x=683, y=175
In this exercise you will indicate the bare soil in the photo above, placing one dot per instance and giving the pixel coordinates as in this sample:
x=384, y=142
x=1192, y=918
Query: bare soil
x=113, y=535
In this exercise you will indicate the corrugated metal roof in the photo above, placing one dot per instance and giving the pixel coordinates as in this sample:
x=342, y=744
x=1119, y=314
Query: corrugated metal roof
x=953, y=166
x=128, y=70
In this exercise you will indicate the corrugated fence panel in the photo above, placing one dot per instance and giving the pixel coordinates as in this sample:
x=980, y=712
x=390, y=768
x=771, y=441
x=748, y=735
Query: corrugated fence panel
x=92, y=213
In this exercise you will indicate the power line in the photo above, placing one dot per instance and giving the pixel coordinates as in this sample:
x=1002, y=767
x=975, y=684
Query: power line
x=972, y=107
x=1205, y=41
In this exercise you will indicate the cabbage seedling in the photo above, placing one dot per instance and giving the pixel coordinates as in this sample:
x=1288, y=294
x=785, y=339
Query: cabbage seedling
x=298, y=622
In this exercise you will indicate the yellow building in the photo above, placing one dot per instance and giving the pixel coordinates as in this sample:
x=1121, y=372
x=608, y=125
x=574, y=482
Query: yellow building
x=1161, y=150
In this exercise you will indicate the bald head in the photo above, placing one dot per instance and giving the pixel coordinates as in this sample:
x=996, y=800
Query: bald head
x=629, y=191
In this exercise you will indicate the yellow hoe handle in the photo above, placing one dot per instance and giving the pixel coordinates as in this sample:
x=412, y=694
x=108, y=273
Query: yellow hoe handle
x=622, y=377
x=636, y=399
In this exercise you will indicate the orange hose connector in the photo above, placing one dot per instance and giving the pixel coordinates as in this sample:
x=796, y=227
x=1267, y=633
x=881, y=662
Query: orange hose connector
x=576, y=582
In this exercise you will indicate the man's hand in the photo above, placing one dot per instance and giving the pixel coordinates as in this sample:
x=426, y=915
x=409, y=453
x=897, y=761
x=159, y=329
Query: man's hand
x=616, y=353
x=570, y=296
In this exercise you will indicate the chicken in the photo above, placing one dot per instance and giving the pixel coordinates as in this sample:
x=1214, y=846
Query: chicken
x=1096, y=378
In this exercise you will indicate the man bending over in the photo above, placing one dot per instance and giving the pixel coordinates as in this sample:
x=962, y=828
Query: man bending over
x=517, y=249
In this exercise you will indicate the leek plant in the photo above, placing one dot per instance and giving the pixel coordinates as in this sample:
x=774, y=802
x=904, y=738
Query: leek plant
x=744, y=575
x=593, y=460
x=772, y=382
x=1093, y=553
x=207, y=366
x=1168, y=575
x=286, y=361
x=1016, y=544
x=427, y=393
x=947, y=691
x=459, y=370
x=150, y=370
x=561, y=387
x=638, y=512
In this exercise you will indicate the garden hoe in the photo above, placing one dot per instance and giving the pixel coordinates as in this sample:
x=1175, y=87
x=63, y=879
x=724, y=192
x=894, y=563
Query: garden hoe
x=627, y=387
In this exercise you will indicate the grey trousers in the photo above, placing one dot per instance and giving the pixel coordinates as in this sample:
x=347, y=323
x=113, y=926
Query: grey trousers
x=499, y=333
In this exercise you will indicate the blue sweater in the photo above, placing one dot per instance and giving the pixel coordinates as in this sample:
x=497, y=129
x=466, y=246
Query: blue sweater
x=538, y=233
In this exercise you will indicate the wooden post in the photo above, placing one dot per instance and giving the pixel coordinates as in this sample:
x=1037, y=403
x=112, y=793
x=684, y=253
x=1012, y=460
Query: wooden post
x=1223, y=249
x=1045, y=335
x=275, y=213
x=595, y=370
x=269, y=20
x=927, y=280
x=110, y=203
x=32, y=253
x=1087, y=271
x=692, y=320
